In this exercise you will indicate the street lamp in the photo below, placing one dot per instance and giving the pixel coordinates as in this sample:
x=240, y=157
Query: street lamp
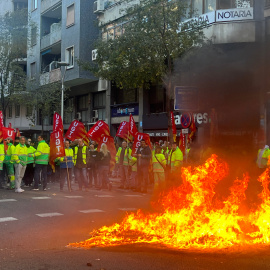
x=63, y=64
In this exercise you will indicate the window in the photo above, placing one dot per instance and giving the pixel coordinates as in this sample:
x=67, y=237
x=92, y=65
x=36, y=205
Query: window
x=70, y=57
x=33, y=70
x=9, y=114
x=34, y=4
x=210, y=5
x=70, y=15
x=157, y=99
x=83, y=103
x=29, y=111
x=99, y=105
x=197, y=7
x=33, y=36
x=17, y=110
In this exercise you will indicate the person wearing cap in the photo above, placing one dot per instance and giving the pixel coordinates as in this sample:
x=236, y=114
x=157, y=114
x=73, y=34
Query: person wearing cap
x=2, y=157
x=9, y=163
x=20, y=163
x=41, y=160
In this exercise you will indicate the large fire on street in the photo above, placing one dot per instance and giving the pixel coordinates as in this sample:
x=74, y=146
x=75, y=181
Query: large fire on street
x=192, y=217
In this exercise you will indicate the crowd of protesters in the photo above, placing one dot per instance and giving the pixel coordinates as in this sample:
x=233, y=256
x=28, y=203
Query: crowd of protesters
x=24, y=163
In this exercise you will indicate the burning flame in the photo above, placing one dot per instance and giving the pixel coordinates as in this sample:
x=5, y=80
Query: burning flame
x=192, y=218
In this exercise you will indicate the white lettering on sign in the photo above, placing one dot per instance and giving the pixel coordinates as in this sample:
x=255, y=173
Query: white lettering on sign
x=105, y=139
x=99, y=125
x=10, y=133
x=122, y=127
x=236, y=14
x=199, y=118
x=73, y=128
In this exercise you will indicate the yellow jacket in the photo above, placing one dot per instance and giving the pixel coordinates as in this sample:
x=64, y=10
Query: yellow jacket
x=126, y=156
x=176, y=159
x=159, y=162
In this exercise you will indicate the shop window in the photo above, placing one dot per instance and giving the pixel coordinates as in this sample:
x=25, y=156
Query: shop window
x=122, y=96
x=70, y=15
x=197, y=7
x=157, y=99
x=99, y=105
x=209, y=5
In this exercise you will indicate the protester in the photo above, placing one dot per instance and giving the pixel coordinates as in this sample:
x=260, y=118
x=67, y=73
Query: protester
x=81, y=159
x=176, y=158
x=41, y=160
x=103, y=167
x=29, y=172
x=9, y=163
x=2, y=157
x=66, y=165
x=17, y=141
x=20, y=159
x=262, y=157
x=159, y=166
x=122, y=159
x=93, y=160
x=144, y=155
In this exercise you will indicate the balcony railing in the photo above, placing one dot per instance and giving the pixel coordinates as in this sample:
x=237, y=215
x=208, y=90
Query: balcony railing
x=46, y=4
x=50, y=77
x=53, y=37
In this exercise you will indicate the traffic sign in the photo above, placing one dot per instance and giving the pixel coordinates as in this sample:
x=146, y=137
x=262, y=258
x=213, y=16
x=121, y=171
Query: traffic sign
x=185, y=120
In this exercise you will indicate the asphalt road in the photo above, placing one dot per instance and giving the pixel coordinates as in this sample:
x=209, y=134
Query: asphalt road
x=36, y=226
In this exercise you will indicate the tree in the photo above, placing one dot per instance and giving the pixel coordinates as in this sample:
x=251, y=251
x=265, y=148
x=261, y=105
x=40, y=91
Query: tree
x=154, y=37
x=13, y=46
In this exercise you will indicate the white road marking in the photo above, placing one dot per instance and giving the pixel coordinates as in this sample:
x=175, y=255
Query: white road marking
x=74, y=197
x=91, y=211
x=133, y=195
x=8, y=200
x=49, y=215
x=104, y=196
x=41, y=198
x=7, y=219
x=127, y=209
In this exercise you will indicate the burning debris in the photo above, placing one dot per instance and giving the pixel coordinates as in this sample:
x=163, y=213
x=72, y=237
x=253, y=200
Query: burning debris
x=192, y=217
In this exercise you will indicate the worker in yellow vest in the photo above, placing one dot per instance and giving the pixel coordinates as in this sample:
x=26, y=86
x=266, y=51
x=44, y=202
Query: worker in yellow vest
x=176, y=157
x=263, y=157
x=81, y=160
x=159, y=166
x=2, y=157
x=9, y=163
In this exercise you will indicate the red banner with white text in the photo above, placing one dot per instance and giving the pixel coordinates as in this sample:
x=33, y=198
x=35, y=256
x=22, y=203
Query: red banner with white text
x=8, y=132
x=98, y=130
x=132, y=129
x=122, y=131
x=57, y=122
x=137, y=141
x=77, y=130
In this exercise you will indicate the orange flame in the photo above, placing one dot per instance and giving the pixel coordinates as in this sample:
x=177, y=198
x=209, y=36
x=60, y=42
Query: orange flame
x=190, y=218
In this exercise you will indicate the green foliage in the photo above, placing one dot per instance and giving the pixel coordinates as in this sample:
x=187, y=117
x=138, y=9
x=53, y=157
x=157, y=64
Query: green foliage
x=152, y=40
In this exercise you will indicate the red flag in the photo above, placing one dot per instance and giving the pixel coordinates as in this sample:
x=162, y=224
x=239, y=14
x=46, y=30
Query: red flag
x=132, y=129
x=8, y=132
x=18, y=134
x=9, y=125
x=182, y=142
x=173, y=127
x=76, y=130
x=137, y=139
x=109, y=141
x=57, y=148
x=98, y=130
x=122, y=131
x=192, y=129
x=57, y=122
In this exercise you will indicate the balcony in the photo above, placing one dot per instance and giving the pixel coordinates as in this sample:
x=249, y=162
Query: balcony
x=53, y=37
x=50, y=77
x=47, y=4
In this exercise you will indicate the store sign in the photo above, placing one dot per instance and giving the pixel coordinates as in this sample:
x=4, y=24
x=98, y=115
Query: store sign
x=236, y=14
x=124, y=110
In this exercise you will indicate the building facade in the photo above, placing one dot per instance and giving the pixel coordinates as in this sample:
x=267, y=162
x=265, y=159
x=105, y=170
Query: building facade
x=234, y=85
x=64, y=31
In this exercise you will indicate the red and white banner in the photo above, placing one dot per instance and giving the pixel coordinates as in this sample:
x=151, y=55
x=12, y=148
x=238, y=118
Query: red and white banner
x=57, y=122
x=18, y=133
x=9, y=125
x=173, y=127
x=192, y=130
x=122, y=131
x=137, y=141
x=8, y=132
x=98, y=130
x=75, y=131
x=109, y=141
x=1, y=126
x=182, y=142
x=132, y=129
x=57, y=148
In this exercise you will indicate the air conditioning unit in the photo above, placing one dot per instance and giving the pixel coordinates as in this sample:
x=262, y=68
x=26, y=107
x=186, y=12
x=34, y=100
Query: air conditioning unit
x=53, y=65
x=94, y=55
x=102, y=85
x=95, y=116
x=98, y=6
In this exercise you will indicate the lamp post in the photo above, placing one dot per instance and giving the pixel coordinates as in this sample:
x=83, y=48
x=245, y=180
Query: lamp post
x=63, y=64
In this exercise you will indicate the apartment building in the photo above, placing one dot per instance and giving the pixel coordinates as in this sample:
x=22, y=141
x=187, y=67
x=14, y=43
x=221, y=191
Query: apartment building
x=65, y=31
x=239, y=33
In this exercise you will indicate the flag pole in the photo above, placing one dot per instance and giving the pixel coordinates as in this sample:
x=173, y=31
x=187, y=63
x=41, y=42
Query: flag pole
x=68, y=180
